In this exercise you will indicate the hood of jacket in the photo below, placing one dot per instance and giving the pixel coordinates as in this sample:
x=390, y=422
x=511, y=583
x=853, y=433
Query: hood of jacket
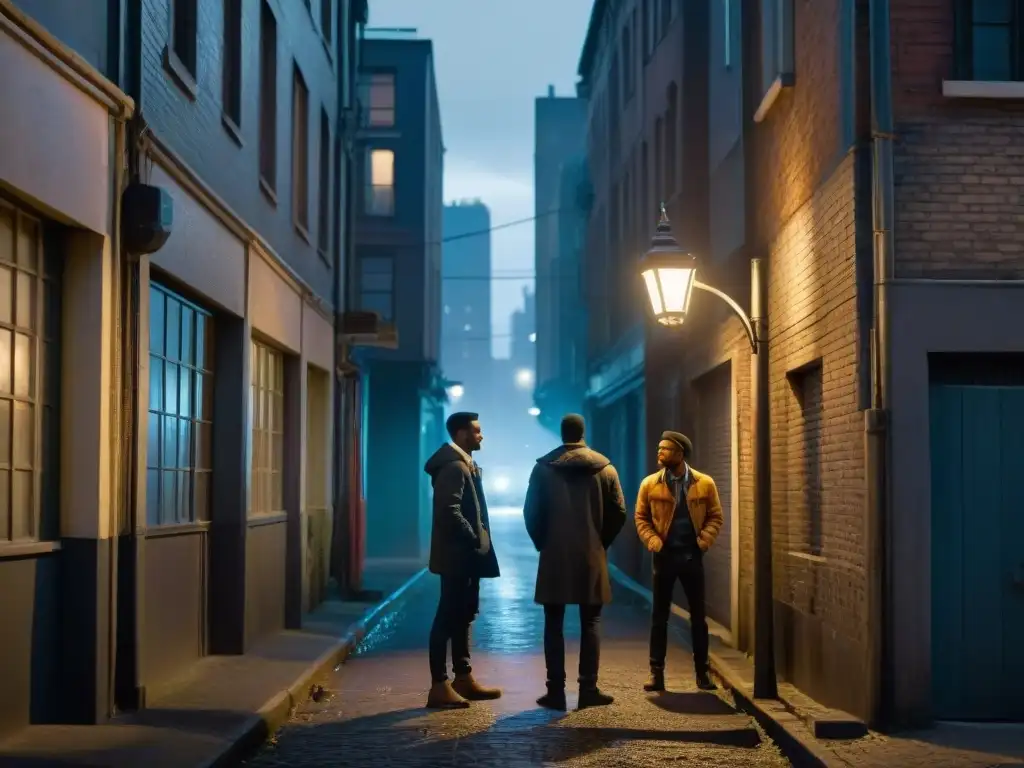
x=443, y=456
x=575, y=457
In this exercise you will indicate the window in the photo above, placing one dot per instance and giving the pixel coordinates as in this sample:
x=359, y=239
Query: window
x=324, y=194
x=377, y=285
x=266, y=496
x=268, y=97
x=726, y=33
x=990, y=40
x=233, y=61
x=776, y=43
x=379, y=100
x=380, y=182
x=179, y=449
x=300, y=151
x=671, y=141
x=29, y=380
x=327, y=20
x=805, y=451
x=183, y=34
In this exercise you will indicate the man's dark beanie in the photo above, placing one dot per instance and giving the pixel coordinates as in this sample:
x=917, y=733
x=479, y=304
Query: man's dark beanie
x=681, y=440
x=573, y=428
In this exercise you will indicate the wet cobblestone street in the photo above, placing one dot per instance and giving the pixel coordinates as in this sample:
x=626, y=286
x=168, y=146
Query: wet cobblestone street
x=373, y=712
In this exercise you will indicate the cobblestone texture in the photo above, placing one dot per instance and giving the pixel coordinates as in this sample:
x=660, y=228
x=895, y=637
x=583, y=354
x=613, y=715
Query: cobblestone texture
x=372, y=713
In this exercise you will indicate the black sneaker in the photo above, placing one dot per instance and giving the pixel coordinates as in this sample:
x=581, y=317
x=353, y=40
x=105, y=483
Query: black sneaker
x=593, y=697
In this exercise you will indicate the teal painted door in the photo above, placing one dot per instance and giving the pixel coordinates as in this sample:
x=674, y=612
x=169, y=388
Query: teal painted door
x=977, y=454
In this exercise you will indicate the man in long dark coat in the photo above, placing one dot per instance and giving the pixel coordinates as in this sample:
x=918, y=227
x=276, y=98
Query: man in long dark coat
x=574, y=510
x=461, y=554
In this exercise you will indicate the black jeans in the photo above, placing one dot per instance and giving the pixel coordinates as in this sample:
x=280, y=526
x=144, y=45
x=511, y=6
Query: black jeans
x=669, y=567
x=554, y=645
x=458, y=606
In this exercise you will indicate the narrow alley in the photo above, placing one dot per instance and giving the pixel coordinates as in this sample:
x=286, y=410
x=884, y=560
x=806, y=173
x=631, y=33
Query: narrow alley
x=373, y=712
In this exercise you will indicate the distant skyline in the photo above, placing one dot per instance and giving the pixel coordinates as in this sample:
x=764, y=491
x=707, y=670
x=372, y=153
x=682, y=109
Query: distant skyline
x=492, y=60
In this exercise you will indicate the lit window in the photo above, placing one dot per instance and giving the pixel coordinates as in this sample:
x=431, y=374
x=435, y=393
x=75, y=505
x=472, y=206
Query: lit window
x=380, y=182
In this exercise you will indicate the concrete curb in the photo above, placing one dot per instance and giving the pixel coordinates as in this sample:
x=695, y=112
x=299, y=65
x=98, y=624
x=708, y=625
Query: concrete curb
x=272, y=715
x=781, y=725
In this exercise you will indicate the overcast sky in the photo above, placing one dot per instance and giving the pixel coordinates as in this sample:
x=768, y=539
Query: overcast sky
x=492, y=59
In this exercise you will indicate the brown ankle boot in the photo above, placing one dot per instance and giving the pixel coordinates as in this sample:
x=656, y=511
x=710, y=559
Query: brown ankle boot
x=469, y=688
x=443, y=696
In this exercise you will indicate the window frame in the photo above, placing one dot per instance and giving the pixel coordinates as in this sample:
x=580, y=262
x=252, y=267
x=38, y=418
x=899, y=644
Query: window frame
x=327, y=23
x=369, y=197
x=269, y=66
x=300, y=152
x=267, y=479
x=183, y=63
x=777, y=52
x=324, y=178
x=200, y=416
x=41, y=395
x=362, y=291
x=963, y=42
x=367, y=89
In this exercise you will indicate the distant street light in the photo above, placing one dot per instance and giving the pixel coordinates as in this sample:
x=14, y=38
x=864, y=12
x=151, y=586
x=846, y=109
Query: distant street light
x=455, y=391
x=534, y=411
x=670, y=275
x=524, y=378
x=533, y=337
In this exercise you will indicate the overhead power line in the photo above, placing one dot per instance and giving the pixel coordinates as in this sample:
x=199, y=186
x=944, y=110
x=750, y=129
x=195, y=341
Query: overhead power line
x=496, y=227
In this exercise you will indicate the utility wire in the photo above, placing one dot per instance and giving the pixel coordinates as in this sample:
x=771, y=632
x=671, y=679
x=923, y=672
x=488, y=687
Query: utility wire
x=496, y=227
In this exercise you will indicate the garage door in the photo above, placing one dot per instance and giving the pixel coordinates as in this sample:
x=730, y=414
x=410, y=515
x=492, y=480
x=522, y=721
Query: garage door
x=713, y=455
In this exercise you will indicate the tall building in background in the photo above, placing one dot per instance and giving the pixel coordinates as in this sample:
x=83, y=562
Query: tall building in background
x=466, y=298
x=523, y=347
x=559, y=154
x=398, y=276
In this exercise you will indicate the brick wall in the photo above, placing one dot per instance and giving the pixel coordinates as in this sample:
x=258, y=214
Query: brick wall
x=194, y=130
x=820, y=598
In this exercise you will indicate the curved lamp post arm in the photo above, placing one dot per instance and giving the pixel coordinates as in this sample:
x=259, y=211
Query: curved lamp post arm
x=748, y=326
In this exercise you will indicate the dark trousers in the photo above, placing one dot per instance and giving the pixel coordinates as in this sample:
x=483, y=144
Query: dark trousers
x=554, y=645
x=669, y=567
x=458, y=606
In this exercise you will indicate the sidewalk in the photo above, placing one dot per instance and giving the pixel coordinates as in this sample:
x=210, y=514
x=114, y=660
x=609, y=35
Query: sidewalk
x=811, y=734
x=225, y=705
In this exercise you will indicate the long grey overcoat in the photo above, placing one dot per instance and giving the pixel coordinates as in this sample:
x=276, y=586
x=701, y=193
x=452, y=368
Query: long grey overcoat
x=574, y=510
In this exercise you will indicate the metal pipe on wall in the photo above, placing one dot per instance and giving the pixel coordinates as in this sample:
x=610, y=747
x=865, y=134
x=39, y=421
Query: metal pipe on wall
x=764, y=611
x=877, y=435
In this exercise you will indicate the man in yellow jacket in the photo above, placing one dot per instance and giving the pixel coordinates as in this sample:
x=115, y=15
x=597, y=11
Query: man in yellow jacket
x=678, y=515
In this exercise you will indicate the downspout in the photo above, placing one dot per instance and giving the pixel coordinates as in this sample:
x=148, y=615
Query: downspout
x=876, y=418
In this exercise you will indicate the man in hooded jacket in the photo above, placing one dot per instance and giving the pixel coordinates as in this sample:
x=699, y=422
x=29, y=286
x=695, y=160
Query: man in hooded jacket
x=574, y=510
x=461, y=554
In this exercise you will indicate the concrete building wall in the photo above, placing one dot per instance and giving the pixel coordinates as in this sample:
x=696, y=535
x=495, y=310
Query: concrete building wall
x=466, y=293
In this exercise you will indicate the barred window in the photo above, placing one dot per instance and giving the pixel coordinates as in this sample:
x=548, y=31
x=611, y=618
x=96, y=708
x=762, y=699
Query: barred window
x=267, y=406
x=179, y=459
x=29, y=380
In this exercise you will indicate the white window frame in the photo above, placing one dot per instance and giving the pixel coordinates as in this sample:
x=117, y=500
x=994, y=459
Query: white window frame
x=267, y=404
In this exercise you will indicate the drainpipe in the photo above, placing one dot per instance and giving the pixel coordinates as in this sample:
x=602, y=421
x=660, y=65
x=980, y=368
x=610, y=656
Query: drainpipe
x=877, y=417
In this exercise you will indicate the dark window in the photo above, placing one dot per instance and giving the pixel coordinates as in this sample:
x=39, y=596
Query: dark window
x=179, y=457
x=805, y=454
x=29, y=379
x=377, y=285
x=324, y=216
x=268, y=96
x=327, y=19
x=300, y=150
x=378, y=99
x=233, y=61
x=990, y=40
x=267, y=397
x=183, y=33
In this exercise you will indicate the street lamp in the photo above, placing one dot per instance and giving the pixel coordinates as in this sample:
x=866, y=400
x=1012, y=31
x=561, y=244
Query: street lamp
x=534, y=411
x=670, y=275
x=524, y=378
x=455, y=391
